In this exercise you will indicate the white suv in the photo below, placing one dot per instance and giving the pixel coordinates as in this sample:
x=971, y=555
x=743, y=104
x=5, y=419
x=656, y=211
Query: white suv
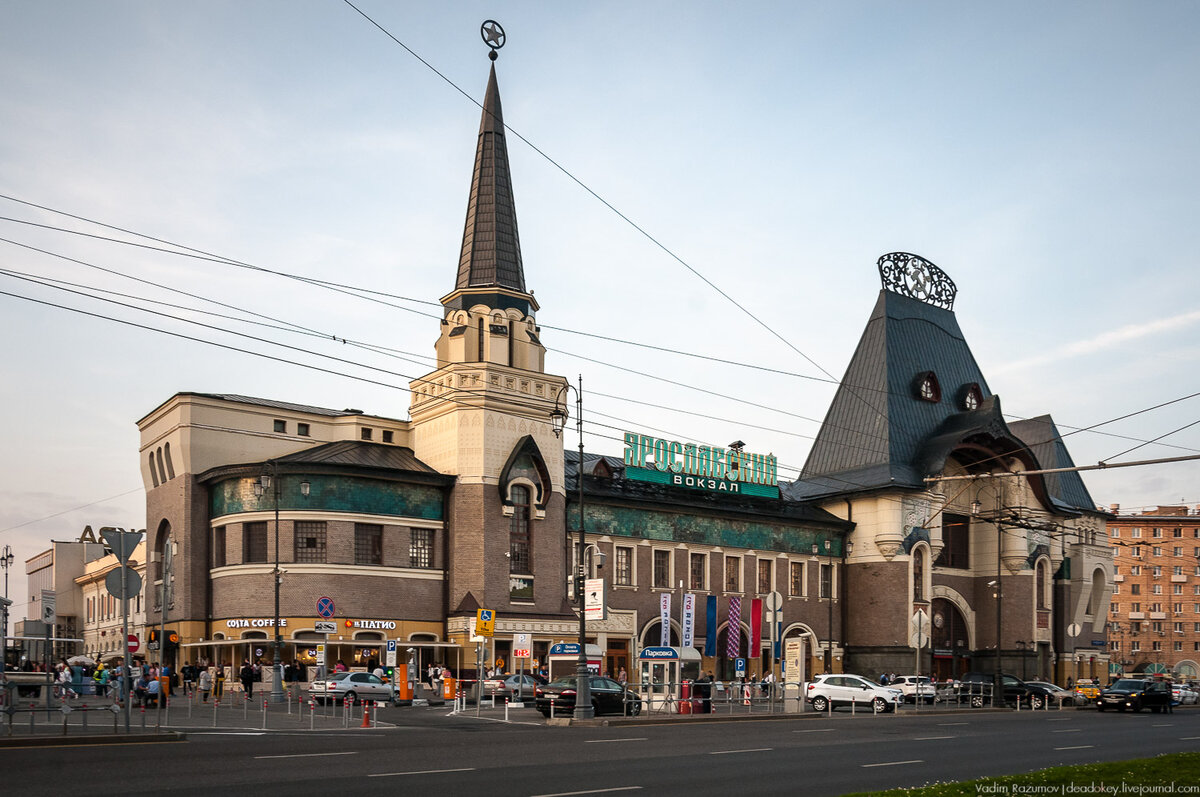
x=833, y=690
x=913, y=685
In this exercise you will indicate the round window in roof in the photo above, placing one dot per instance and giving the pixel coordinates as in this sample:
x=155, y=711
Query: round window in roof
x=927, y=387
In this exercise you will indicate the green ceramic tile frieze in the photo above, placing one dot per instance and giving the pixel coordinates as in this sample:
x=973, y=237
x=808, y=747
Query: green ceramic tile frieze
x=620, y=521
x=331, y=494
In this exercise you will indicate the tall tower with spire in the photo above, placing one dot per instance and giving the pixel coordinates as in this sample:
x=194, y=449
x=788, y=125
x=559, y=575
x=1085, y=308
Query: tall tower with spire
x=484, y=414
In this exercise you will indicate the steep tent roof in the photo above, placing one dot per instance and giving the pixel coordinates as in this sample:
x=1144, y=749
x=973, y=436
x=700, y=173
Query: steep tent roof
x=877, y=428
x=1066, y=490
x=491, y=248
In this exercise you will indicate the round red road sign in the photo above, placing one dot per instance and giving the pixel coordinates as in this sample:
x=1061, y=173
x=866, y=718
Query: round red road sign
x=134, y=644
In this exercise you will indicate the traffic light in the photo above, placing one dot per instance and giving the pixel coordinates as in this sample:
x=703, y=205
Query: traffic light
x=154, y=638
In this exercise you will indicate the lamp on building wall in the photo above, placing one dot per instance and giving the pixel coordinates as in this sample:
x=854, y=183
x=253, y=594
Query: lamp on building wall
x=558, y=418
x=269, y=480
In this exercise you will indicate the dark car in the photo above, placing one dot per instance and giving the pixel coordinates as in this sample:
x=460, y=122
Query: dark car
x=976, y=689
x=608, y=697
x=1136, y=694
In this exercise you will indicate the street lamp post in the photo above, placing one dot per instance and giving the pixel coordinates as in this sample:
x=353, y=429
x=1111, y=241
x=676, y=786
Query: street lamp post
x=976, y=506
x=270, y=481
x=6, y=562
x=583, y=691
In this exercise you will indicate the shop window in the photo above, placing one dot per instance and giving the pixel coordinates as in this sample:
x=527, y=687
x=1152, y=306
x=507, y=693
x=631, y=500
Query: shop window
x=733, y=573
x=662, y=570
x=518, y=531
x=826, y=581
x=698, y=571
x=219, y=547
x=254, y=542
x=310, y=541
x=796, y=577
x=765, y=576
x=956, y=538
x=368, y=544
x=420, y=548
x=623, y=576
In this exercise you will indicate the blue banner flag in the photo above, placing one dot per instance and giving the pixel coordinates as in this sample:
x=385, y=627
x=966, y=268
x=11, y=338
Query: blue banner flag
x=710, y=627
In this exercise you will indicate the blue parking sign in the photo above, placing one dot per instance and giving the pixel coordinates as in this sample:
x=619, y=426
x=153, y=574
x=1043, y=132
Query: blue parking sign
x=739, y=666
x=391, y=646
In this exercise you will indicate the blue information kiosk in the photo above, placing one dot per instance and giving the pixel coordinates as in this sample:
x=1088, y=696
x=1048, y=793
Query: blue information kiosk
x=666, y=678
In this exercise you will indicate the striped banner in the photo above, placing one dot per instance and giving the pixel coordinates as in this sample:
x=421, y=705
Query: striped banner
x=733, y=631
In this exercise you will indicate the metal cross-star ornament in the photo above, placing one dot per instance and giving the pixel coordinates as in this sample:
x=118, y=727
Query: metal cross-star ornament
x=493, y=34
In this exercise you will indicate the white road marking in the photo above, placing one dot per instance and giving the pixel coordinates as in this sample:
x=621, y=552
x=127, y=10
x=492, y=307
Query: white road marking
x=590, y=791
x=747, y=750
x=1067, y=730
x=894, y=763
x=419, y=772
x=1077, y=747
x=1163, y=725
x=305, y=755
x=948, y=724
x=816, y=730
x=603, y=741
x=931, y=738
x=1188, y=738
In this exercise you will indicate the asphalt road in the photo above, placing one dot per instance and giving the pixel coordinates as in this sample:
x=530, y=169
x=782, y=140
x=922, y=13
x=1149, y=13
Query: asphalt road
x=435, y=754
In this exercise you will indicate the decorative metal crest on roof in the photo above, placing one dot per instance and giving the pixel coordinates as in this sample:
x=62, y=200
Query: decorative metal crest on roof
x=493, y=36
x=913, y=276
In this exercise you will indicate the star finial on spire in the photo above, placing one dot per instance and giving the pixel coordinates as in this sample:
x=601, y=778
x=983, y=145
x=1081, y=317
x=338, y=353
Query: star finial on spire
x=493, y=36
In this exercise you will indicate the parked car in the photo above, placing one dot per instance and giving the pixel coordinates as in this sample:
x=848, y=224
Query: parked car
x=913, y=685
x=1135, y=694
x=976, y=689
x=608, y=697
x=1060, y=695
x=1088, y=689
x=352, y=686
x=834, y=690
x=1184, y=695
x=513, y=686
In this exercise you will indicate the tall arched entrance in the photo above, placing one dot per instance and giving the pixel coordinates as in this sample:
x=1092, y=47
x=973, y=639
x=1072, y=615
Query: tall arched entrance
x=725, y=665
x=951, y=640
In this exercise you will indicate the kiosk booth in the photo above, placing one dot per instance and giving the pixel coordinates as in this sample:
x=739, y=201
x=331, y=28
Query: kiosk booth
x=563, y=659
x=666, y=678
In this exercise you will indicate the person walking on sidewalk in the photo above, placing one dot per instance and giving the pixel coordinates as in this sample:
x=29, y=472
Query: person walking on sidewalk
x=247, y=678
x=205, y=684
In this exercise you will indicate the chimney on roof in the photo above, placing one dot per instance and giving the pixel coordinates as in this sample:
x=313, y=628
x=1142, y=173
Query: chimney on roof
x=1114, y=508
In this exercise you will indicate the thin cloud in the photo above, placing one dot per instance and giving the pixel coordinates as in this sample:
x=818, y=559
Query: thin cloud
x=1106, y=340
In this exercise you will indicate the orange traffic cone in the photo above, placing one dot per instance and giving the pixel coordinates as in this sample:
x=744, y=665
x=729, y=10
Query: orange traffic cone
x=366, y=715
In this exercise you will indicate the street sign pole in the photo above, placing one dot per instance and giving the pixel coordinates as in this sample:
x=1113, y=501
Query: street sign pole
x=122, y=544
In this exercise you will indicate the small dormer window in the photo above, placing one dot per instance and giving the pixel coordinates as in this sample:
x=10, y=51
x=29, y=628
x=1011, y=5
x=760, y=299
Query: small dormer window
x=927, y=387
x=366, y=433
x=972, y=397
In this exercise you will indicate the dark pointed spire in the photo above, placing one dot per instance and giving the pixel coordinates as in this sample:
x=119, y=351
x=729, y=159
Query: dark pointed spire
x=491, y=248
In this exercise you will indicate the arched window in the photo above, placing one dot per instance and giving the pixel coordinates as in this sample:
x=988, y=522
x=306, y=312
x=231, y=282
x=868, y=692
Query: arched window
x=918, y=569
x=153, y=470
x=1043, y=585
x=162, y=472
x=518, y=532
x=170, y=464
x=1098, y=588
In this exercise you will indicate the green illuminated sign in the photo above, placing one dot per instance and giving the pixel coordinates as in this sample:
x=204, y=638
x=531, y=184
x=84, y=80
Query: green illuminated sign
x=731, y=470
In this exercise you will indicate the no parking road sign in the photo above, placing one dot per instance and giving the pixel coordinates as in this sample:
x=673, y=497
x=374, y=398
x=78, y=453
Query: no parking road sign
x=325, y=607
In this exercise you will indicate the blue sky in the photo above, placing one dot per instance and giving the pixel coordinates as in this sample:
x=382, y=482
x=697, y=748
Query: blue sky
x=1043, y=155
